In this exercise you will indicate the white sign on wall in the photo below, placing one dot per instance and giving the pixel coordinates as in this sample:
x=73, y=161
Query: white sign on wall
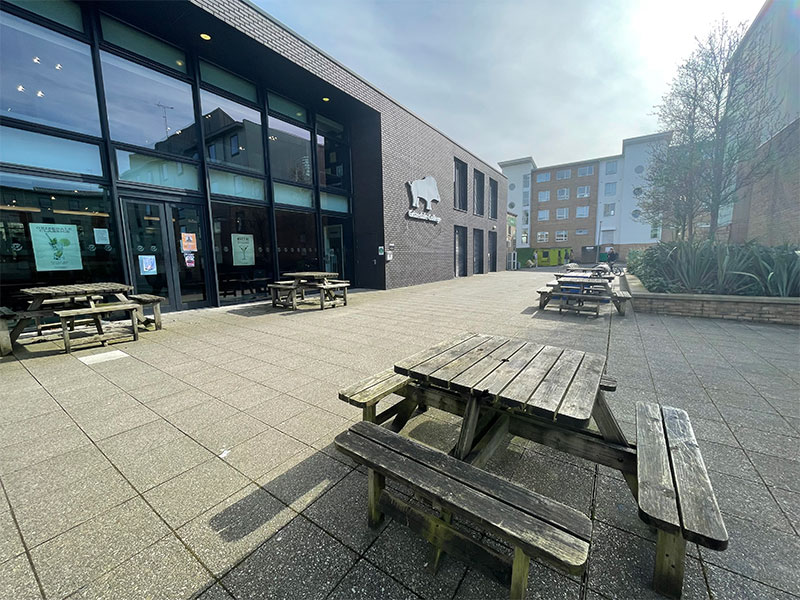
x=56, y=247
x=423, y=191
x=243, y=249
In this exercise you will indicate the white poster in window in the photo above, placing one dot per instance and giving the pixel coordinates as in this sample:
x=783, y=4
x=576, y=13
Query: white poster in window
x=243, y=249
x=56, y=247
x=101, y=236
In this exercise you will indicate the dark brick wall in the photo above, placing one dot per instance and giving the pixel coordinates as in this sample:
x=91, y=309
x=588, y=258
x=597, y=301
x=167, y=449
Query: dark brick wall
x=409, y=149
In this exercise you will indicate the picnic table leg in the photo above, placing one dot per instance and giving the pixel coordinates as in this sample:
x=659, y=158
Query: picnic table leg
x=20, y=326
x=344, y=295
x=5, y=338
x=65, y=332
x=375, y=481
x=135, y=324
x=612, y=432
x=670, y=558
x=519, y=574
x=468, y=425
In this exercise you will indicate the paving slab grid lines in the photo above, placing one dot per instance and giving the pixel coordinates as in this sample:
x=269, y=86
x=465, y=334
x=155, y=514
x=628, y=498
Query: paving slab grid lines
x=199, y=461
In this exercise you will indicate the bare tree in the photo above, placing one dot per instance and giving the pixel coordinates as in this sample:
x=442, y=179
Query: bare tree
x=720, y=111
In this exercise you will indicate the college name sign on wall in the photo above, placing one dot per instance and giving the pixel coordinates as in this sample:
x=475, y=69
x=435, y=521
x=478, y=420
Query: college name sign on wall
x=423, y=191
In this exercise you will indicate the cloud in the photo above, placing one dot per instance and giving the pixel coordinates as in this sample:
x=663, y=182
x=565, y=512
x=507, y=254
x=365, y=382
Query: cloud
x=561, y=81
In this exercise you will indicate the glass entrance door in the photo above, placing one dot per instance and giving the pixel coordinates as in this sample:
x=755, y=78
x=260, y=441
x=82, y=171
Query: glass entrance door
x=167, y=252
x=460, y=251
x=492, y=251
x=334, y=249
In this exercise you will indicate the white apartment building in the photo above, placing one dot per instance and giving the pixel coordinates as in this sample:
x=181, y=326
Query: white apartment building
x=518, y=172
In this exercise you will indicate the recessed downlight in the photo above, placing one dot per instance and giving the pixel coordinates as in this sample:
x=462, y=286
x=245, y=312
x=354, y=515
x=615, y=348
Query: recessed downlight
x=326, y=99
x=205, y=36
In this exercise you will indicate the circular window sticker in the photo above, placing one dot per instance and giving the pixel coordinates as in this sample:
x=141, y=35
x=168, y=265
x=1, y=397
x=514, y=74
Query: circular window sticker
x=636, y=214
x=140, y=248
x=637, y=191
x=510, y=205
x=639, y=169
x=16, y=247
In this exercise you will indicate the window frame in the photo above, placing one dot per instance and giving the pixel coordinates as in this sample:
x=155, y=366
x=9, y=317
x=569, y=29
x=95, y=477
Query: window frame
x=578, y=211
x=559, y=237
x=546, y=212
x=587, y=171
x=562, y=174
x=586, y=194
x=562, y=210
x=565, y=195
x=460, y=185
x=543, y=177
x=542, y=237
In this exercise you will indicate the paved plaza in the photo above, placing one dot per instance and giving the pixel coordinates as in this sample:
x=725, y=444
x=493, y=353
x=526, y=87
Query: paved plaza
x=198, y=461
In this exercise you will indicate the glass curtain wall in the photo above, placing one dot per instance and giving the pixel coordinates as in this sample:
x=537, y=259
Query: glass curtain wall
x=157, y=155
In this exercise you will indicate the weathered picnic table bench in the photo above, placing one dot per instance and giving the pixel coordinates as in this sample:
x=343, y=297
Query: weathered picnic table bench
x=552, y=396
x=582, y=293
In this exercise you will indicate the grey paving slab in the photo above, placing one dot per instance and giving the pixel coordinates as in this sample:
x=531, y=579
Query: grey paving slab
x=17, y=580
x=790, y=504
x=88, y=551
x=404, y=556
x=264, y=452
x=349, y=525
x=277, y=409
x=10, y=542
x=215, y=592
x=765, y=555
x=226, y=533
x=24, y=454
x=768, y=443
x=303, y=478
x=726, y=584
x=554, y=478
x=301, y=560
x=615, y=505
x=164, y=571
x=366, y=582
x=748, y=500
x=181, y=498
x=200, y=416
x=777, y=472
x=312, y=424
x=43, y=516
x=621, y=566
x=543, y=584
x=730, y=460
x=26, y=430
x=229, y=432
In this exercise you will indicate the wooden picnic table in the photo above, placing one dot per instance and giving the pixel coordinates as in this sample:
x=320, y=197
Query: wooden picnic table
x=556, y=397
x=582, y=292
x=325, y=282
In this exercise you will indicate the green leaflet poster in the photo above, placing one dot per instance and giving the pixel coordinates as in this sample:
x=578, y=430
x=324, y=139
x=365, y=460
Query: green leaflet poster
x=56, y=247
x=243, y=249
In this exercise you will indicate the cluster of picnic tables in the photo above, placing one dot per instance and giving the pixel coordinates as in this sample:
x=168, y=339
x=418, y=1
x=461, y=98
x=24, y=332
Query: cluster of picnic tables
x=583, y=289
x=549, y=395
x=68, y=303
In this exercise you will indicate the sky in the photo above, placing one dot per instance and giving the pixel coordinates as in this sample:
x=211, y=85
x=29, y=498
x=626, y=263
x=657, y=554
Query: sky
x=559, y=80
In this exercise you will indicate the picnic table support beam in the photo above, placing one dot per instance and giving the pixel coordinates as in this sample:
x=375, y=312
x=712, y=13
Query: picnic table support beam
x=468, y=426
x=670, y=559
x=612, y=432
x=487, y=445
x=375, y=481
x=5, y=338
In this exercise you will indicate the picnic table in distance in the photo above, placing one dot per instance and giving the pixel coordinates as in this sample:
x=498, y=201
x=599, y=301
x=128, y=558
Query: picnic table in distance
x=284, y=293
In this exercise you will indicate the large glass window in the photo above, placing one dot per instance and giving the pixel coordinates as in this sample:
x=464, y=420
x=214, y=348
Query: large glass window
x=289, y=151
x=337, y=246
x=492, y=198
x=232, y=184
x=478, y=192
x=61, y=11
x=143, y=168
x=291, y=194
x=227, y=81
x=47, y=78
x=232, y=133
x=21, y=147
x=334, y=202
x=287, y=107
x=54, y=232
x=242, y=250
x=297, y=241
x=460, y=185
x=333, y=155
x=148, y=109
x=141, y=43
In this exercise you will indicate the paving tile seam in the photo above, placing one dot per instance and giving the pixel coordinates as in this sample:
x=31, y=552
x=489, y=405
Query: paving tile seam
x=25, y=548
x=749, y=459
x=743, y=576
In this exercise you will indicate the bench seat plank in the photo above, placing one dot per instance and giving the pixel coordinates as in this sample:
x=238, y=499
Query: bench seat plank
x=657, y=497
x=536, y=537
x=542, y=507
x=364, y=384
x=99, y=309
x=700, y=517
x=373, y=394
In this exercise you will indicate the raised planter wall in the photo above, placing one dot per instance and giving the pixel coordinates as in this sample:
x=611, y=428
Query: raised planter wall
x=760, y=309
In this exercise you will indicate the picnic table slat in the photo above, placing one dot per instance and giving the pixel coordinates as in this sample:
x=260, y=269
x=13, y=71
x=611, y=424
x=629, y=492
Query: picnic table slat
x=404, y=366
x=549, y=393
x=423, y=370
x=576, y=407
x=527, y=379
x=657, y=499
x=466, y=381
x=498, y=379
x=452, y=370
x=381, y=389
x=700, y=517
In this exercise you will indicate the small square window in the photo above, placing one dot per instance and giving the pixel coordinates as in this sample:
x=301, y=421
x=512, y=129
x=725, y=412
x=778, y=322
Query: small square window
x=542, y=177
x=611, y=167
x=542, y=236
x=544, y=215
x=581, y=212
x=564, y=174
x=235, y=145
x=544, y=196
x=611, y=189
x=212, y=151
x=561, y=236
x=583, y=191
x=524, y=238
x=562, y=213
x=584, y=171
x=563, y=194
x=609, y=209
x=581, y=232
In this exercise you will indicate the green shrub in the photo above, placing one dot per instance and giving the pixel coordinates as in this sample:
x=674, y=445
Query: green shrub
x=713, y=268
